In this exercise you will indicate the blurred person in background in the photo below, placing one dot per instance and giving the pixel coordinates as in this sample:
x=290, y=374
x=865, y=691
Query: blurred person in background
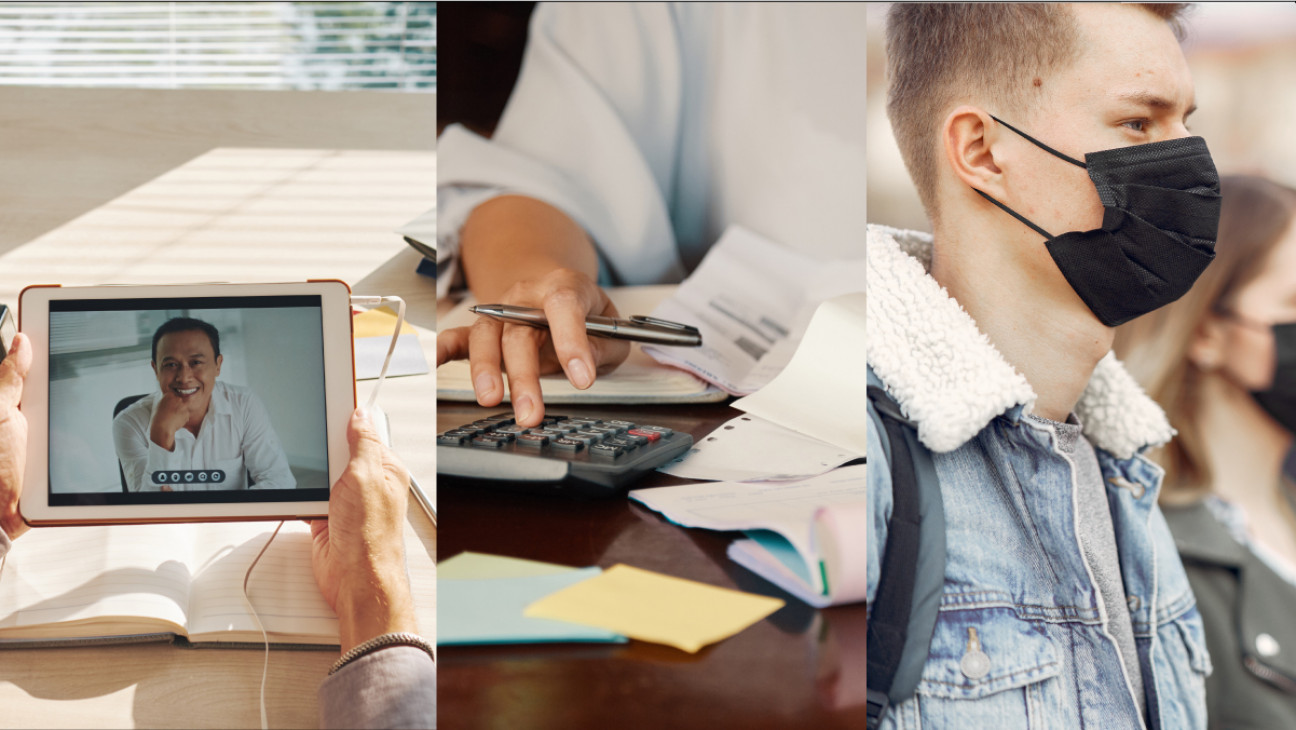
x=1222, y=362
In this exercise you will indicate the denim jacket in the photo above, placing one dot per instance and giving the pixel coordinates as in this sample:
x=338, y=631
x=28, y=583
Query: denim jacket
x=1017, y=585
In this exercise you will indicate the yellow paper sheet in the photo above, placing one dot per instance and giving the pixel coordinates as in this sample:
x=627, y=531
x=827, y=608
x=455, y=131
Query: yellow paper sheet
x=650, y=606
x=377, y=323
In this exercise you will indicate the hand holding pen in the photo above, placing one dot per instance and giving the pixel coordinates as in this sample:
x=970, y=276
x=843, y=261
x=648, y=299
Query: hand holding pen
x=526, y=352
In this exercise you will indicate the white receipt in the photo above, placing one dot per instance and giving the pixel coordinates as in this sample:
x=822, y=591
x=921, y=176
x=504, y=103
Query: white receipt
x=750, y=448
x=821, y=392
x=752, y=300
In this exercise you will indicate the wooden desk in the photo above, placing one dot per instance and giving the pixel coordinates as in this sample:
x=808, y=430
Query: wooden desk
x=800, y=668
x=236, y=214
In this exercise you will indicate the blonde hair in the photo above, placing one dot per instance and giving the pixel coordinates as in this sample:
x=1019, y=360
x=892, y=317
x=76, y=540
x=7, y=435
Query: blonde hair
x=938, y=53
x=1256, y=214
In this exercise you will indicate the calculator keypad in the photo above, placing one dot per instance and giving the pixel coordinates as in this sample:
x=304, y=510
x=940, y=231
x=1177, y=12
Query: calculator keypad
x=604, y=441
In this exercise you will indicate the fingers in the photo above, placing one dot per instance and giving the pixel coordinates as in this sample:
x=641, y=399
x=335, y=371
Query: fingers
x=484, y=360
x=452, y=345
x=566, y=311
x=13, y=371
x=521, y=346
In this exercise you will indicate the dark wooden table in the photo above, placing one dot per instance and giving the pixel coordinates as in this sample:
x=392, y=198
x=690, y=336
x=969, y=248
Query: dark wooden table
x=799, y=668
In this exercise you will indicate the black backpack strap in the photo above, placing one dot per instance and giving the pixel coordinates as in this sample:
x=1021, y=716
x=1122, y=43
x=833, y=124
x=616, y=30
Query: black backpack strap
x=903, y=613
x=888, y=622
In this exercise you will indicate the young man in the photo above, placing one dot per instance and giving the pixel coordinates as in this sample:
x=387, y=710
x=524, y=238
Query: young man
x=1064, y=603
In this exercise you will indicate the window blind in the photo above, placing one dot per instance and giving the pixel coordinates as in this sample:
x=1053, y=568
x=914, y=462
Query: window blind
x=278, y=45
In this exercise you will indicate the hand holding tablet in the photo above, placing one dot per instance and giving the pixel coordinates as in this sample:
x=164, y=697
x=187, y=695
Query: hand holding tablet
x=186, y=403
x=13, y=434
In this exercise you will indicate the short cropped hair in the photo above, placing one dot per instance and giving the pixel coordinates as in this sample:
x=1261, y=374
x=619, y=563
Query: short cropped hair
x=937, y=52
x=187, y=324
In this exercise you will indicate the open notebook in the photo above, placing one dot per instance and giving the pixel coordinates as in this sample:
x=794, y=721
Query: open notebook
x=127, y=583
x=639, y=379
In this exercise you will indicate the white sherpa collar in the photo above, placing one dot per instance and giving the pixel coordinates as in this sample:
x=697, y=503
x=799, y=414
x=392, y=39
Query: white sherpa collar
x=951, y=381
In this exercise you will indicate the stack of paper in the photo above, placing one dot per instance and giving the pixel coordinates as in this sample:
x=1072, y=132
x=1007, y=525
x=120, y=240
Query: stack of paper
x=826, y=372
x=796, y=426
x=752, y=301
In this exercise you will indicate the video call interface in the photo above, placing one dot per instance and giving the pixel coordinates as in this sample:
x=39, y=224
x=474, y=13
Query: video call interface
x=187, y=400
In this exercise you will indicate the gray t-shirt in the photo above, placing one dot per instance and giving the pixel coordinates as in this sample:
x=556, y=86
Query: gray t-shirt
x=1098, y=541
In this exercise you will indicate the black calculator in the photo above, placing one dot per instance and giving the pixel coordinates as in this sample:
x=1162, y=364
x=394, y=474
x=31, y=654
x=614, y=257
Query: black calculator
x=586, y=456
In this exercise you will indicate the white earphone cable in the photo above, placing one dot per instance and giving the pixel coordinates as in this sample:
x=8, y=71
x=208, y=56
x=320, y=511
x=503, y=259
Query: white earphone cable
x=382, y=376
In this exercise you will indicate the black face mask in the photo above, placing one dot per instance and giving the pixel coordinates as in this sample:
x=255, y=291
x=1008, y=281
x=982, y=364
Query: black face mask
x=1162, y=207
x=1279, y=399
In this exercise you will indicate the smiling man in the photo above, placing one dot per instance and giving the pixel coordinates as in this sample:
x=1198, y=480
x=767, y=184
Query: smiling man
x=195, y=432
x=1066, y=195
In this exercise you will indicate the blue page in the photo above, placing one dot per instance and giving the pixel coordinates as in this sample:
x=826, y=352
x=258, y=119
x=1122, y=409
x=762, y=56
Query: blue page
x=489, y=611
x=783, y=550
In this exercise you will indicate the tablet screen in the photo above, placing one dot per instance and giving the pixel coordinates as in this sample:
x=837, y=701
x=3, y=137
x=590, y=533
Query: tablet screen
x=187, y=400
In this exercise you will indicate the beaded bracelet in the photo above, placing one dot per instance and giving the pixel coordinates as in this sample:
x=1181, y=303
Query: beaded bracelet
x=379, y=642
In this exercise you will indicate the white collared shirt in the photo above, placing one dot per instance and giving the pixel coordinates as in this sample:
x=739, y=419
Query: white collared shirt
x=235, y=437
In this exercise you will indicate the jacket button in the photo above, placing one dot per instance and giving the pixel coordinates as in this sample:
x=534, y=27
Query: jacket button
x=1267, y=645
x=975, y=663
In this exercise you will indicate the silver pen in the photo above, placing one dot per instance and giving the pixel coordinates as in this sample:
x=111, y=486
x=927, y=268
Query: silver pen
x=637, y=328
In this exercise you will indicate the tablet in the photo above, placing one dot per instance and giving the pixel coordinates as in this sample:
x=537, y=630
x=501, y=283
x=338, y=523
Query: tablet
x=185, y=403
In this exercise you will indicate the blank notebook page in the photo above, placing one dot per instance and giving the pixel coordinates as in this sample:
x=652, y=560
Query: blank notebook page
x=75, y=574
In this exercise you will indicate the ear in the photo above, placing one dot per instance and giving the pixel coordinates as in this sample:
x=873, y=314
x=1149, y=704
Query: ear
x=968, y=137
x=219, y=359
x=1209, y=344
x=153, y=364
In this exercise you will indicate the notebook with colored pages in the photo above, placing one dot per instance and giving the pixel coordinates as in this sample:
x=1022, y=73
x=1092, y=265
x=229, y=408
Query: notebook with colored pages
x=132, y=583
x=639, y=379
x=803, y=535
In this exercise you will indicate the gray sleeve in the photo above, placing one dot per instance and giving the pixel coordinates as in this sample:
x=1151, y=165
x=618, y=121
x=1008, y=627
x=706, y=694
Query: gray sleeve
x=393, y=687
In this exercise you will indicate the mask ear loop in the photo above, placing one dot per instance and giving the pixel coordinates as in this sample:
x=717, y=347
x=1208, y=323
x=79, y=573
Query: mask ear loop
x=1047, y=149
x=382, y=376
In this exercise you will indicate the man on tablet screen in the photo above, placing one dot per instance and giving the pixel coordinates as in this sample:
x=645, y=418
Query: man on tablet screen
x=196, y=433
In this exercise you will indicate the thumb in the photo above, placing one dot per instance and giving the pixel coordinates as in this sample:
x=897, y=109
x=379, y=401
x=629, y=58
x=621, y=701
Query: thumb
x=362, y=437
x=13, y=371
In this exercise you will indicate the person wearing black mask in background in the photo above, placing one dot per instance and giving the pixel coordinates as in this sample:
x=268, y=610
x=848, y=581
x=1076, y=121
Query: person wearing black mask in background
x=1222, y=362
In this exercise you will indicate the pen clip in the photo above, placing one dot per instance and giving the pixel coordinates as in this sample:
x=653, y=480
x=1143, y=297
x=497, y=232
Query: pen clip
x=664, y=323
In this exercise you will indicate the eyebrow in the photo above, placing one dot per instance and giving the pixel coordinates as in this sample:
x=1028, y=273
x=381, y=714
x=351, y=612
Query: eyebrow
x=1153, y=101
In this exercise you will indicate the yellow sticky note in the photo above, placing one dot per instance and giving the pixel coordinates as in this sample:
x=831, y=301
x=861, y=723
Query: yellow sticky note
x=650, y=606
x=377, y=323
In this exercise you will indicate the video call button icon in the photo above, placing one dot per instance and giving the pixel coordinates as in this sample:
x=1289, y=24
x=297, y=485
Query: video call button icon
x=197, y=476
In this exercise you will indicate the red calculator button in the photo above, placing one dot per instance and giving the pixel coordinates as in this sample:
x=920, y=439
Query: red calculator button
x=650, y=435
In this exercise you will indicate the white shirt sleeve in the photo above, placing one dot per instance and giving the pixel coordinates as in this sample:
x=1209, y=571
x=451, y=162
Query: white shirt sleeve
x=135, y=452
x=262, y=453
x=592, y=128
